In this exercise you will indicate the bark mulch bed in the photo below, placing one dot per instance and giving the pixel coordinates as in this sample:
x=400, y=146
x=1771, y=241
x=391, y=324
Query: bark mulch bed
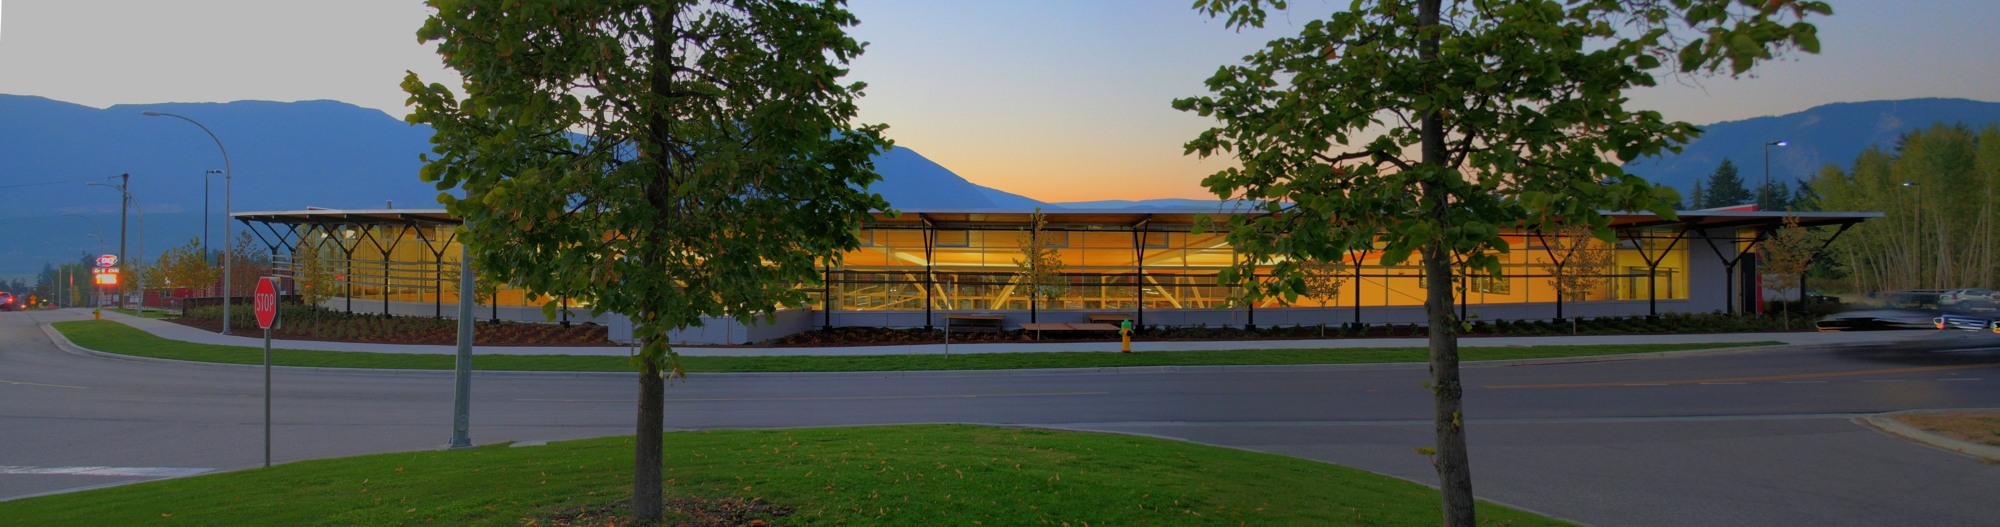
x=680, y=512
x=419, y=330
x=1981, y=428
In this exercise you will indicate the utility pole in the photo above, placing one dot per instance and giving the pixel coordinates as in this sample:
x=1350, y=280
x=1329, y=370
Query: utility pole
x=124, y=204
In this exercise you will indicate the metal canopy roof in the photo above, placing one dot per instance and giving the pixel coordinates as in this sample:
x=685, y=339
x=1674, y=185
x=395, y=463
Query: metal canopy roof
x=351, y=217
x=1079, y=218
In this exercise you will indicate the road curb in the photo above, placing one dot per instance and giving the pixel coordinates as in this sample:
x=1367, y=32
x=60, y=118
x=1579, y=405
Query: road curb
x=61, y=341
x=1887, y=423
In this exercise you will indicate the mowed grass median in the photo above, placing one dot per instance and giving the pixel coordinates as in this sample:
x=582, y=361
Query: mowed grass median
x=114, y=337
x=889, y=475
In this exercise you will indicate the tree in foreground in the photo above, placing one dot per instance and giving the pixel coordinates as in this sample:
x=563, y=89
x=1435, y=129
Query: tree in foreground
x=1491, y=114
x=666, y=160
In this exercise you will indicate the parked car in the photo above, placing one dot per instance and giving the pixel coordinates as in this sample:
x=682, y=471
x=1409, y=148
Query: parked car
x=1814, y=297
x=7, y=302
x=1966, y=298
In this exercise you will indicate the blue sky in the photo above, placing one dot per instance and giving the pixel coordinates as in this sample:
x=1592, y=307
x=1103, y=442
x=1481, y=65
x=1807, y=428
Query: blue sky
x=1056, y=100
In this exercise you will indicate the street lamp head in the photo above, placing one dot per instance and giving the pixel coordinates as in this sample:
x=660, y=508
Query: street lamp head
x=1909, y=183
x=212, y=171
x=150, y=113
x=1777, y=143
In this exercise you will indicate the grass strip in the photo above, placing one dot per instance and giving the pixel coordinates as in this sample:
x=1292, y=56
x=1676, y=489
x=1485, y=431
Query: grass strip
x=888, y=475
x=114, y=337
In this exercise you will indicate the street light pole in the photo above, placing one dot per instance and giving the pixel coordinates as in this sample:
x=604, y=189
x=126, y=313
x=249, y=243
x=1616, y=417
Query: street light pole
x=1766, y=189
x=204, y=210
x=124, y=205
x=228, y=176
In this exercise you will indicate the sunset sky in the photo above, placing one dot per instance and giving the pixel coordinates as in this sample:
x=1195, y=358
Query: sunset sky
x=1055, y=100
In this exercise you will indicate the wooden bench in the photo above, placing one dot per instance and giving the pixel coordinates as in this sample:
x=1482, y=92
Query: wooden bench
x=987, y=323
x=1038, y=328
x=1111, y=318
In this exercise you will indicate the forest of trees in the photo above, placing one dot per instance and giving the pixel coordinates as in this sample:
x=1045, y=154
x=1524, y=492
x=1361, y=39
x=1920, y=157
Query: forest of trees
x=1725, y=188
x=1936, y=187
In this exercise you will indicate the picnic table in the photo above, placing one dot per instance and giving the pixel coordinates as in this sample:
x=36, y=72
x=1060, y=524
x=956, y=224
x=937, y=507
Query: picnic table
x=975, y=322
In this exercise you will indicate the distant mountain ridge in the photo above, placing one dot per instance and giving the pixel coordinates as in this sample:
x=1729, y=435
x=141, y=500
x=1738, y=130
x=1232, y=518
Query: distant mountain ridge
x=284, y=155
x=292, y=155
x=1826, y=134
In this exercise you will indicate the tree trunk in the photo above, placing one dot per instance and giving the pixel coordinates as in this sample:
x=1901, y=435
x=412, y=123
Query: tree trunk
x=1453, y=465
x=647, y=501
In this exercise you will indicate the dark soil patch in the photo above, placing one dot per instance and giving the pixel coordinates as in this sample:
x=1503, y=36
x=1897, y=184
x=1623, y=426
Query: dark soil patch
x=680, y=512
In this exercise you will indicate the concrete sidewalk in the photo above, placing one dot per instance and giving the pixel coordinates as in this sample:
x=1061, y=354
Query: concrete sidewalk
x=174, y=331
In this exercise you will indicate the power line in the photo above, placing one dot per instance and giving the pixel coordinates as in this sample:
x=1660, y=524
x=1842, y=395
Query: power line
x=52, y=183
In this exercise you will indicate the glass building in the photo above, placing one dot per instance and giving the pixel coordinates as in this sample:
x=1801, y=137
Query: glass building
x=915, y=269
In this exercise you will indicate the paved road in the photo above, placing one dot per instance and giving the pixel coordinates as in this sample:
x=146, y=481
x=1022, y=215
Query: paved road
x=1741, y=439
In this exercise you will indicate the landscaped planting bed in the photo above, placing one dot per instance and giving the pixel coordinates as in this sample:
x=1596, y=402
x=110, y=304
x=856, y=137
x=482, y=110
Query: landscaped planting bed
x=308, y=323
x=1665, y=323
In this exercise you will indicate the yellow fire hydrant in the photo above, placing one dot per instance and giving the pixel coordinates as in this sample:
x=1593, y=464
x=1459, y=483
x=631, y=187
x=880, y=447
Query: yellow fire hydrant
x=1125, y=336
x=97, y=314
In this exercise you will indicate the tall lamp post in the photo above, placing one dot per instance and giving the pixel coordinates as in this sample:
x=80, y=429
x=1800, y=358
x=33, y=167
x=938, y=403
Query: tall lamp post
x=124, y=204
x=227, y=177
x=204, y=211
x=1765, y=190
x=1917, y=224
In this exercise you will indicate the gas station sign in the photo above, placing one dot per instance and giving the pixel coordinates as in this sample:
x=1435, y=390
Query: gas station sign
x=108, y=260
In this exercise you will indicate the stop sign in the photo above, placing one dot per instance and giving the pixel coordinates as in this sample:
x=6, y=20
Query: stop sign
x=267, y=302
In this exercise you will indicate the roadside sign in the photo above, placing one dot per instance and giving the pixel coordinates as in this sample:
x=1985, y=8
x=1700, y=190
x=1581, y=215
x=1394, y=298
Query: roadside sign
x=267, y=302
x=105, y=275
x=108, y=260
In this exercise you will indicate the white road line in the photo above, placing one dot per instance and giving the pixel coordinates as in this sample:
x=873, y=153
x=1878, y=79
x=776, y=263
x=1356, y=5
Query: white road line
x=1716, y=383
x=1883, y=380
x=1804, y=382
x=150, y=472
x=1653, y=384
x=26, y=383
x=1958, y=379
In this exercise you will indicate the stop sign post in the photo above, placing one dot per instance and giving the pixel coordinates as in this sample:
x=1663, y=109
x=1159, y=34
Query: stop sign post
x=266, y=301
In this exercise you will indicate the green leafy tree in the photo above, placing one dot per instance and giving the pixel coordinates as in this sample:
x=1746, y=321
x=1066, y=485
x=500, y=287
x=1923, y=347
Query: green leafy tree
x=1725, y=188
x=1484, y=114
x=1937, y=188
x=669, y=159
x=1040, y=267
x=1322, y=284
x=1787, y=255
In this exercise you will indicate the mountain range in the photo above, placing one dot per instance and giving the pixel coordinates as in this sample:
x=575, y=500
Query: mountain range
x=287, y=156
x=1828, y=134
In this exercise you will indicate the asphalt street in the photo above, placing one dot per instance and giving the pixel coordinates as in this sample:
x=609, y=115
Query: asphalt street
x=1761, y=438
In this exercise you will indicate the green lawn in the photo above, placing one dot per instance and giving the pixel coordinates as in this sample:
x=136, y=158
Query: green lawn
x=114, y=337
x=890, y=475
